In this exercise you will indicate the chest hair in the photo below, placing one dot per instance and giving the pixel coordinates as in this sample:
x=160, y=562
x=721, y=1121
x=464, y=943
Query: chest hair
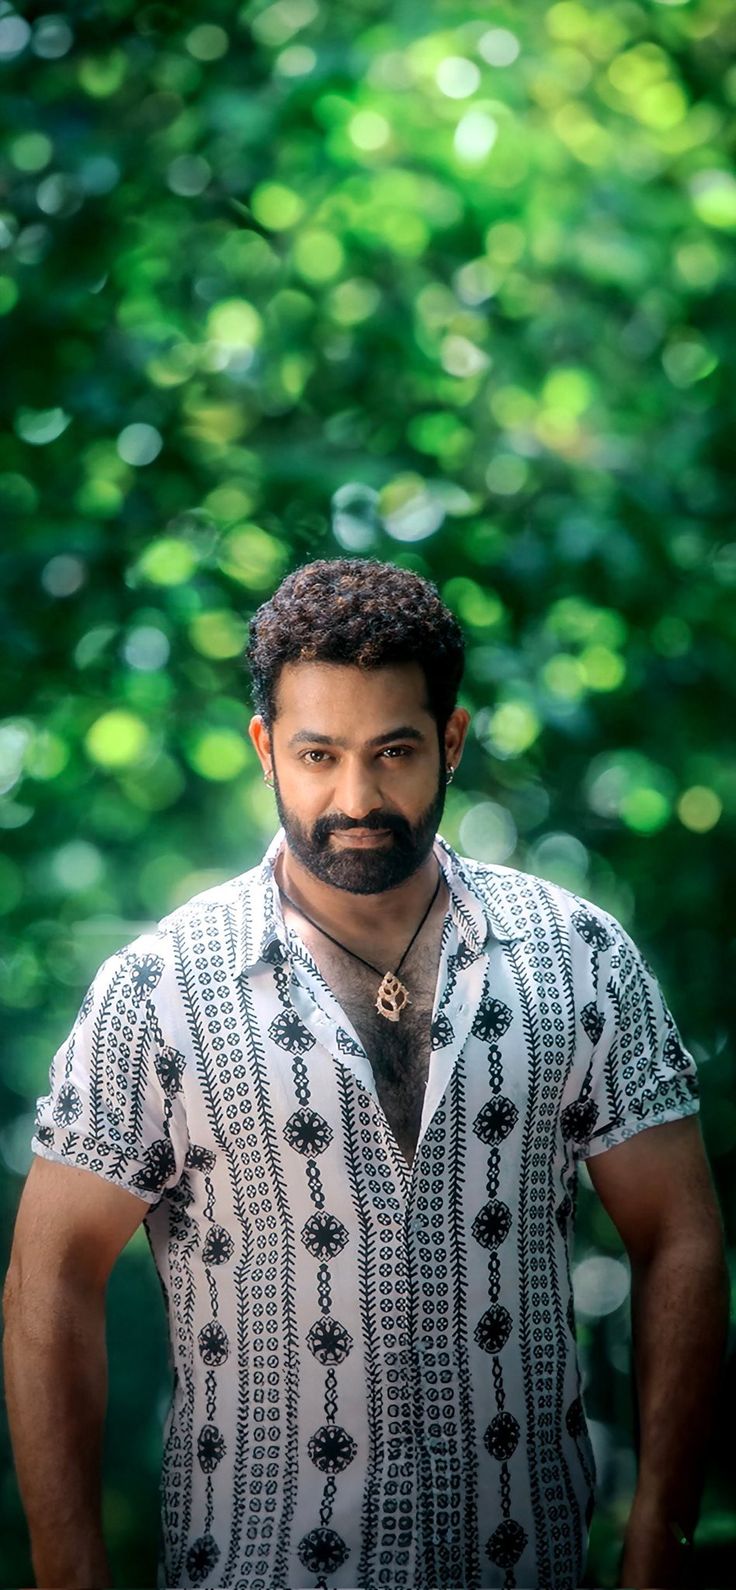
x=398, y=1051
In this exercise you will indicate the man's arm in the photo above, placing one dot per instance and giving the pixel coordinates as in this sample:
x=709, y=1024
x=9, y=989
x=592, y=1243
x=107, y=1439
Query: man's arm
x=658, y=1191
x=70, y=1228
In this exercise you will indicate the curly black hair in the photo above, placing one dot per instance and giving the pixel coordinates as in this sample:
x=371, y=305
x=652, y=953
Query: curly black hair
x=359, y=611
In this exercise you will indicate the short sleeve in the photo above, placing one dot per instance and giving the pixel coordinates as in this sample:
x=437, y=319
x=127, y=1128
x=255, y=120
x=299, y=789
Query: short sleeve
x=641, y=1073
x=115, y=1103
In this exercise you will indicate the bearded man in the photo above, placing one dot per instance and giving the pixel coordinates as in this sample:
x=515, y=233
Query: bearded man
x=348, y=1093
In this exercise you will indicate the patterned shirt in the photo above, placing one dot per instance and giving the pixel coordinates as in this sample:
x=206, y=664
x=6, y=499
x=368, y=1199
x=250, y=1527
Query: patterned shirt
x=375, y=1380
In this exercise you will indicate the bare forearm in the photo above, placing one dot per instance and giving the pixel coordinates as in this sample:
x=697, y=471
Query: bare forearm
x=56, y=1390
x=680, y=1319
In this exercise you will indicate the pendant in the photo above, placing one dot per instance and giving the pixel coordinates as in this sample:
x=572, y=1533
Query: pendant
x=391, y=998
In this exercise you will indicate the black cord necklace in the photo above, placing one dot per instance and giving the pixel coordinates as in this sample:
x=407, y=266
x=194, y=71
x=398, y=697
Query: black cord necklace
x=392, y=996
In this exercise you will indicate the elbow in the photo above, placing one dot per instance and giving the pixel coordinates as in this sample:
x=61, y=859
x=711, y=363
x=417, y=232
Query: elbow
x=39, y=1310
x=693, y=1260
x=697, y=1244
x=9, y=1294
x=15, y=1297
x=697, y=1255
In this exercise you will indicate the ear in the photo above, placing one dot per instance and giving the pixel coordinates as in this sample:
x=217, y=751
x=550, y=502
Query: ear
x=455, y=732
x=261, y=739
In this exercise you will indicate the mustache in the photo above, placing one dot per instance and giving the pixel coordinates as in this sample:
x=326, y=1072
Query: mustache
x=326, y=826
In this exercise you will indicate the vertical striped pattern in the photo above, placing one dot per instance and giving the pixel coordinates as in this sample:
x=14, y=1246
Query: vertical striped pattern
x=375, y=1377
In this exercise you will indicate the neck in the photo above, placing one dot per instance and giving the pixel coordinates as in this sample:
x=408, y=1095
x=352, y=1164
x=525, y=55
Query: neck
x=357, y=915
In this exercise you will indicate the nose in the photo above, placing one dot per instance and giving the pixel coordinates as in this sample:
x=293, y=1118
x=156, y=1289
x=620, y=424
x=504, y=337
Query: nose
x=356, y=792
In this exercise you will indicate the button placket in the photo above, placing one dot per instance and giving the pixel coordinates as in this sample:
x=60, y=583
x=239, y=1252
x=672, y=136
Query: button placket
x=324, y=1025
x=458, y=1013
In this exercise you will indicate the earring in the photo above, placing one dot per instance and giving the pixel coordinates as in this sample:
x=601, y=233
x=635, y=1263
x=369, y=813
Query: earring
x=450, y=771
x=268, y=778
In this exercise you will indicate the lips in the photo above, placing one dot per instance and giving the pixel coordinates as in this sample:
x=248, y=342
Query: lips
x=362, y=836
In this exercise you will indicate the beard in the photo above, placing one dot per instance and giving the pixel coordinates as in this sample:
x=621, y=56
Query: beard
x=358, y=870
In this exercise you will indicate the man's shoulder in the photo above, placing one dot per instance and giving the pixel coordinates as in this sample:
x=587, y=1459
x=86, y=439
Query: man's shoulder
x=218, y=900
x=525, y=899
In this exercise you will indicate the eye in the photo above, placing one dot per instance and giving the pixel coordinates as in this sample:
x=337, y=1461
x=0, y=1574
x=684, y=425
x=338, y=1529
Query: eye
x=397, y=750
x=313, y=753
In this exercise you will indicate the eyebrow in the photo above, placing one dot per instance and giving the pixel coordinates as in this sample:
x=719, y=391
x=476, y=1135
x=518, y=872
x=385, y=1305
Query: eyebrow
x=406, y=731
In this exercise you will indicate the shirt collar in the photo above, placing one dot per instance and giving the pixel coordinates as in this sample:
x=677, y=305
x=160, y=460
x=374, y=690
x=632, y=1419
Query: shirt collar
x=261, y=933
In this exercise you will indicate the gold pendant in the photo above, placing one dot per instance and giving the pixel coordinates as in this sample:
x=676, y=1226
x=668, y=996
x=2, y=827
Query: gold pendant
x=391, y=998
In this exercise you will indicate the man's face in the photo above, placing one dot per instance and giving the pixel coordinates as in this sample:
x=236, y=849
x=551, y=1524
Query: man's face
x=358, y=775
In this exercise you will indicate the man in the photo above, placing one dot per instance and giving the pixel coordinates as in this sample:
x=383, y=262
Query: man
x=348, y=1091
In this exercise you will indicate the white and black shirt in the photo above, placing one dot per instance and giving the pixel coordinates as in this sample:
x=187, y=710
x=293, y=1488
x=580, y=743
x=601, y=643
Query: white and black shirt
x=375, y=1380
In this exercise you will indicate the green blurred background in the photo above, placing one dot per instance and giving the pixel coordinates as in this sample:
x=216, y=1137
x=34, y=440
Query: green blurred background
x=445, y=283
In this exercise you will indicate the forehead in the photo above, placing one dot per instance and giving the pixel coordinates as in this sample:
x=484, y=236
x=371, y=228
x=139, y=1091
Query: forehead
x=341, y=692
